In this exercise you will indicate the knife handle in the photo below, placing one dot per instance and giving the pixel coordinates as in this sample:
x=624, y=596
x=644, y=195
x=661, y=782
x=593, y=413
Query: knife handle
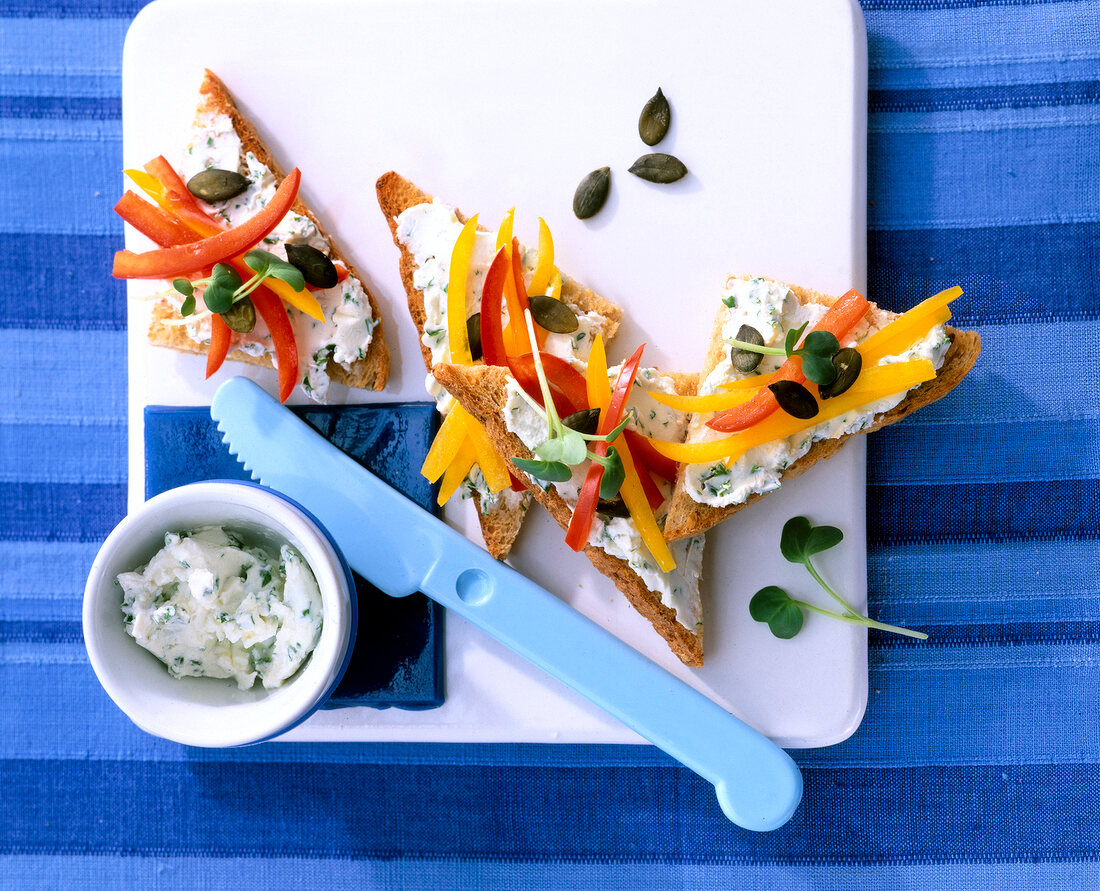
x=757, y=783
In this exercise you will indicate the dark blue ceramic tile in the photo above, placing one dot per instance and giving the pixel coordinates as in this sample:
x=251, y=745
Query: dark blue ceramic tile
x=398, y=656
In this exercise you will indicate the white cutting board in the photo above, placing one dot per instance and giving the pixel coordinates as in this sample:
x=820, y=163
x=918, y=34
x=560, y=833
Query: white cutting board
x=495, y=103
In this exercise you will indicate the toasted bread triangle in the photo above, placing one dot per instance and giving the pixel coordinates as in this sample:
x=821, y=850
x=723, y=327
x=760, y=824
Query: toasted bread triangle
x=372, y=371
x=687, y=517
x=481, y=391
x=501, y=523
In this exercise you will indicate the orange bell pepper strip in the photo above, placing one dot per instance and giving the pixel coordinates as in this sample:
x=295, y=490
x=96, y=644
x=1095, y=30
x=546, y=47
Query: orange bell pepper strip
x=580, y=524
x=221, y=336
x=272, y=311
x=841, y=318
x=518, y=305
x=492, y=334
x=167, y=263
x=177, y=198
x=154, y=223
x=457, y=338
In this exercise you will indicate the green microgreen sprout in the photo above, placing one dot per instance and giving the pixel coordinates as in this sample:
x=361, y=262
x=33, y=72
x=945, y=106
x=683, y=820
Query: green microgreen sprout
x=816, y=352
x=564, y=447
x=783, y=614
x=224, y=287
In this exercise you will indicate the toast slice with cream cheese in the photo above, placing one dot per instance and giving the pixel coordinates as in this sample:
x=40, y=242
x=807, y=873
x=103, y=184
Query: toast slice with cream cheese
x=349, y=347
x=708, y=492
x=670, y=601
x=424, y=230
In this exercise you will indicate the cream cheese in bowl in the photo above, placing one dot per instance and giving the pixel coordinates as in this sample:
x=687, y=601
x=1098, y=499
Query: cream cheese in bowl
x=215, y=653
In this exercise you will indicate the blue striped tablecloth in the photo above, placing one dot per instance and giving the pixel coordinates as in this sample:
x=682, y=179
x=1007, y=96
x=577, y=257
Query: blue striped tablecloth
x=978, y=764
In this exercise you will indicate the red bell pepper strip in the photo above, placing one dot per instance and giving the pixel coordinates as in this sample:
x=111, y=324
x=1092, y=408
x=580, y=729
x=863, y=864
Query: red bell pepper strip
x=567, y=385
x=653, y=461
x=221, y=336
x=840, y=319
x=652, y=492
x=580, y=524
x=517, y=486
x=179, y=199
x=182, y=259
x=272, y=311
x=155, y=224
x=492, y=292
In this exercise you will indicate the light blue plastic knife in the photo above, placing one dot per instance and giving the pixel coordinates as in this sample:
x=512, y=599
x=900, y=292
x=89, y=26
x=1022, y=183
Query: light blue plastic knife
x=400, y=548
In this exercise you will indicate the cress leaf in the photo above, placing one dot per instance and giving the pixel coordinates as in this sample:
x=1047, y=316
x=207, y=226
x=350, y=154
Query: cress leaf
x=792, y=542
x=775, y=606
x=188, y=306
x=613, y=475
x=573, y=448
x=292, y=275
x=551, y=471
x=821, y=343
x=225, y=276
x=218, y=297
x=184, y=286
x=818, y=369
x=821, y=538
x=259, y=261
x=614, y=434
x=550, y=450
x=792, y=338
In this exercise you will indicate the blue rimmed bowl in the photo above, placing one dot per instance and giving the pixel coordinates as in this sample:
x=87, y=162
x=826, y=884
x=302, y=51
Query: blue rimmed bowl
x=214, y=712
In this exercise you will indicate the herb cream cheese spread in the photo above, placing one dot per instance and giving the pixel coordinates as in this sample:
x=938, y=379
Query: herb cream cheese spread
x=619, y=536
x=348, y=328
x=772, y=309
x=207, y=605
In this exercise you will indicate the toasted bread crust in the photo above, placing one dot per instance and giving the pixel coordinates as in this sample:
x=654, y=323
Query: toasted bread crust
x=687, y=517
x=396, y=194
x=481, y=391
x=369, y=373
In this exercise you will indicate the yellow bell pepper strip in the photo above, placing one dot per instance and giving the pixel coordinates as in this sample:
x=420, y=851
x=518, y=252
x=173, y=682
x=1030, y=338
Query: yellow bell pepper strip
x=457, y=337
x=492, y=465
x=165, y=191
x=710, y=402
x=445, y=446
x=457, y=472
x=909, y=327
x=632, y=490
x=504, y=232
x=555, y=286
x=544, y=270
x=511, y=332
x=873, y=384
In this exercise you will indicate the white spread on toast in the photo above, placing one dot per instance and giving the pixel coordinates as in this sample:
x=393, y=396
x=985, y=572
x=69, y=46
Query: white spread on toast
x=208, y=605
x=619, y=536
x=772, y=309
x=348, y=328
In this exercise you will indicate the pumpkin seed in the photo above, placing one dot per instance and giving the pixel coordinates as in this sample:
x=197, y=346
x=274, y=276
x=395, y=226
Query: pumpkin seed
x=848, y=364
x=658, y=167
x=215, y=184
x=553, y=315
x=794, y=399
x=586, y=421
x=746, y=360
x=655, y=119
x=473, y=332
x=316, y=268
x=613, y=507
x=592, y=193
x=241, y=316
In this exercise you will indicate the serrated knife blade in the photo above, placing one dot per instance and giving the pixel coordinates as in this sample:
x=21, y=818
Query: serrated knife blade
x=401, y=548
